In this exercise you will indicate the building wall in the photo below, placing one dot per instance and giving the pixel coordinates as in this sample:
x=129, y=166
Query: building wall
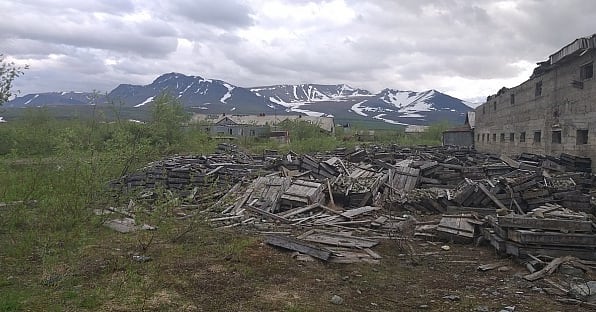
x=239, y=130
x=458, y=138
x=560, y=107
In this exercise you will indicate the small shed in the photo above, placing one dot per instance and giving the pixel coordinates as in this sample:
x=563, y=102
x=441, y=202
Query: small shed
x=461, y=136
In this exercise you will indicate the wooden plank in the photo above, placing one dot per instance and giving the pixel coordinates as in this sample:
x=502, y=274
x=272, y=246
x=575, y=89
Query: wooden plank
x=298, y=245
x=549, y=268
x=268, y=214
x=478, y=210
x=510, y=162
x=299, y=210
x=491, y=196
x=358, y=211
x=544, y=224
x=552, y=238
x=523, y=251
x=338, y=239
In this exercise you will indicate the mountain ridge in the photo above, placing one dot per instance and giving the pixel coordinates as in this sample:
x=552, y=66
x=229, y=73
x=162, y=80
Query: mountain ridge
x=217, y=96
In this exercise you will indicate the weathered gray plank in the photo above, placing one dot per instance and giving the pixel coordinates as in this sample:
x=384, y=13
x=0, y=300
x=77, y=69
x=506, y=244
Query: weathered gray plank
x=298, y=245
x=552, y=238
x=514, y=221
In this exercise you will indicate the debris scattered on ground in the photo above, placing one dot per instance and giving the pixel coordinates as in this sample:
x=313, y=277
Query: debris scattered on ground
x=337, y=206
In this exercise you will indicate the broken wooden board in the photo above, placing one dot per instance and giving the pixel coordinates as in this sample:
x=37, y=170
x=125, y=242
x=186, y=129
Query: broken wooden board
x=477, y=210
x=552, y=238
x=302, y=193
x=456, y=228
x=549, y=268
x=520, y=222
x=298, y=245
x=338, y=239
x=510, y=162
x=351, y=213
x=523, y=251
x=267, y=191
x=403, y=178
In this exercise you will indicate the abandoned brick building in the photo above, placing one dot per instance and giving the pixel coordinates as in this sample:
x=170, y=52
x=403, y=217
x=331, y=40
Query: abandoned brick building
x=553, y=112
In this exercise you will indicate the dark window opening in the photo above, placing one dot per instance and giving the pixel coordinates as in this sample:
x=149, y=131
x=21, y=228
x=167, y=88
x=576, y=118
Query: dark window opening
x=586, y=71
x=230, y=131
x=483, y=110
x=522, y=137
x=494, y=137
x=495, y=105
x=557, y=137
x=537, y=136
x=512, y=98
x=483, y=137
x=538, y=90
x=511, y=137
x=502, y=137
x=478, y=138
x=252, y=132
x=582, y=137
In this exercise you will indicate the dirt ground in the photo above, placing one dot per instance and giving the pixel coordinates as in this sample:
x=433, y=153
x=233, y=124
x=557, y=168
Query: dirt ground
x=252, y=276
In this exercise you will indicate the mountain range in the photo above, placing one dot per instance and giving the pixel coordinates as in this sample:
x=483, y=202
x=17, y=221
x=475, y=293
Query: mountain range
x=216, y=96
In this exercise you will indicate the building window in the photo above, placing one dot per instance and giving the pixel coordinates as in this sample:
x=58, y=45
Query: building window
x=512, y=98
x=586, y=71
x=483, y=109
x=502, y=137
x=556, y=137
x=495, y=105
x=478, y=138
x=511, y=137
x=582, y=137
x=494, y=137
x=522, y=137
x=538, y=90
x=537, y=136
x=483, y=137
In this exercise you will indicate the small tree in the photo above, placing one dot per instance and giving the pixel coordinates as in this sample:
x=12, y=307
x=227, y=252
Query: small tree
x=8, y=72
x=168, y=117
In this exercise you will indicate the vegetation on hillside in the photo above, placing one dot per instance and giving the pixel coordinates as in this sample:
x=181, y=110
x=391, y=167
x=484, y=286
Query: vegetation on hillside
x=54, y=251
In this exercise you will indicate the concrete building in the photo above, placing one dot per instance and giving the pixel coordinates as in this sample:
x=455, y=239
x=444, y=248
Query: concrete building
x=553, y=112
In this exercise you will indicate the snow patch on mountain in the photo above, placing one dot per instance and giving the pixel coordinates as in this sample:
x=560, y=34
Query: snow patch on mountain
x=148, y=100
x=228, y=94
x=380, y=117
x=356, y=108
x=31, y=99
x=407, y=101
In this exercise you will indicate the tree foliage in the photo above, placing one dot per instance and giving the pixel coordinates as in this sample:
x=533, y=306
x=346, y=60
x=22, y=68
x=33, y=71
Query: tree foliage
x=9, y=71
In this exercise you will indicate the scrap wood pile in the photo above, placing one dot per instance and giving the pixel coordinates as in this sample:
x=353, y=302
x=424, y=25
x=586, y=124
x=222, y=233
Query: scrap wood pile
x=547, y=230
x=352, y=198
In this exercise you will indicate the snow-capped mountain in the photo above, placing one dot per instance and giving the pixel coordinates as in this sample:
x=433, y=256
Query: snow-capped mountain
x=409, y=107
x=287, y=94
x=53, y=98
x=216, y=96
x=193, y=91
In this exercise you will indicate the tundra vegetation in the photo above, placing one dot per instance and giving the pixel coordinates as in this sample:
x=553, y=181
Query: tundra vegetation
x=55, y=255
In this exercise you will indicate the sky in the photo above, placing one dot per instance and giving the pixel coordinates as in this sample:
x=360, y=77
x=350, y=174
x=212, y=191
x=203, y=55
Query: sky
x=467, y=49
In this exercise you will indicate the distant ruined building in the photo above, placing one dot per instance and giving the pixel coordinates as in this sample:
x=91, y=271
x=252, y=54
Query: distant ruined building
x=553, y=112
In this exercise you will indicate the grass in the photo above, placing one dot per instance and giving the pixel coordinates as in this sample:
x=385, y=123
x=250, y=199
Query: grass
x=56, y=255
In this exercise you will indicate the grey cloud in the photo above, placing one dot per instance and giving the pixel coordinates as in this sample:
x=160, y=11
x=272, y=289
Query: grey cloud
x=223, y=14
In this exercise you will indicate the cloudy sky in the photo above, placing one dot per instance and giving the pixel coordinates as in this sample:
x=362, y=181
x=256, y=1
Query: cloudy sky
x=468, y=49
